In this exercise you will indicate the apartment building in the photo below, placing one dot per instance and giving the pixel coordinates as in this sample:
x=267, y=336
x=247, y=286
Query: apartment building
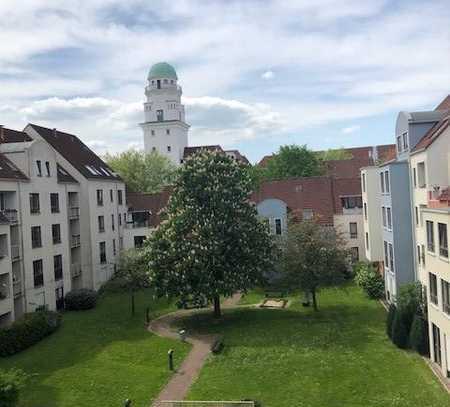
x=66, y=210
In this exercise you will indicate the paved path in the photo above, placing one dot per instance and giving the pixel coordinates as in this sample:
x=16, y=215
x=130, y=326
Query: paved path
x=179, y=384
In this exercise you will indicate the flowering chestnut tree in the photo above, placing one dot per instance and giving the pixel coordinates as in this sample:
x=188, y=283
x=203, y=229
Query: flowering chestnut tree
x=211, y=243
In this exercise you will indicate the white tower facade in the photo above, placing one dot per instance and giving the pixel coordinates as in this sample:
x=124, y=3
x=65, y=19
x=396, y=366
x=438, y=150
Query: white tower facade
x=165, y=129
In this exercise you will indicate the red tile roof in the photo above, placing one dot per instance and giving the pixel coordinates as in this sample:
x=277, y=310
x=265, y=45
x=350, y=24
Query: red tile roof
x=89, y=164
x=344, y=187
x=155, y=203
x=444, y=105
x=188, y=151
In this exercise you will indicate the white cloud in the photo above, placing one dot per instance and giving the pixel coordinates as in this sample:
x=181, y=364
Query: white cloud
x=268, y=75
x=350, y=129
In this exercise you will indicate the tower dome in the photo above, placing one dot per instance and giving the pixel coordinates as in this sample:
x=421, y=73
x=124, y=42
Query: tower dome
x=162, y=70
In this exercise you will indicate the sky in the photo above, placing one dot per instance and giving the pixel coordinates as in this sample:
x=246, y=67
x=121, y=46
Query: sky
x=256, y=74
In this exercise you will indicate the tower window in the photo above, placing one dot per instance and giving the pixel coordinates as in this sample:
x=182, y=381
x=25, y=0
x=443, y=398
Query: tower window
x=158, y=84
x=166, y=81
x=153, y=132
x=153, y=148
x=160, y=115
x=167, y=131
x=169, y=149
x=153, y=82
x=171, y=81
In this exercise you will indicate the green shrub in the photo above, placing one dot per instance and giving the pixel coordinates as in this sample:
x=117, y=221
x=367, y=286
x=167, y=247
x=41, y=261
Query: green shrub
x=81, y=299
x=409, y=302
x=400, y=333
x=418, y=336
x=27, y=331
x=11, y=382
x=368, y=278
x=390, y=320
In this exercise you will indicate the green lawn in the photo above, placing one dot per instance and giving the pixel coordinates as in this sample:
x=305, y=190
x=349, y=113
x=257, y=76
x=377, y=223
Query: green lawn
x=338, y=357
x=98, y=358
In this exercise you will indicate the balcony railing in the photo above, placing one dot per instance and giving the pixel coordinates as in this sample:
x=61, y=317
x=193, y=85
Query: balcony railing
x=74, y=212
x=11, y=215
x=75, y=270
x=17, y=288
x=134, y=225
x=75, y=241
x=15, y=252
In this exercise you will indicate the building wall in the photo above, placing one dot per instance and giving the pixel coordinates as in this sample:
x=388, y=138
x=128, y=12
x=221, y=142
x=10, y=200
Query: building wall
x=342, y=225
x=372, y=222
x=272, y=209
x=6, y=280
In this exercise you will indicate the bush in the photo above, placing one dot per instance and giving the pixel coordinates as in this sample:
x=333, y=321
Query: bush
x=27, y=331
x=400, y=333
x=369, y=280
x=11, y=382
x=81, y=299
x=409, y=302
x=390, y=320
x=418, y=336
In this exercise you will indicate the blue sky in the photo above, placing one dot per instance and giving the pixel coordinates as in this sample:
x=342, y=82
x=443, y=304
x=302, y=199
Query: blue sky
x=256, y=74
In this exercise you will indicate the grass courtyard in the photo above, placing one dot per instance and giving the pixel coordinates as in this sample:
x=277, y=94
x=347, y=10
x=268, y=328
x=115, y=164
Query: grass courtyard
x=99, y=357
x=337, y=357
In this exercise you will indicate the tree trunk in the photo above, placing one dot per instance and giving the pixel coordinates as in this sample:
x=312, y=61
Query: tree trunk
x=217, y=312
x=133, y=310
x=313, y=291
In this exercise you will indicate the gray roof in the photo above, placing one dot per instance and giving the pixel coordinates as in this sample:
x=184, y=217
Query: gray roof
x=427, y=116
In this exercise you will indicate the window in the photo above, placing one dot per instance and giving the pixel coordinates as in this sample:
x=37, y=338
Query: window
x=421, y=175
x=38, y=273
x=430, y=236
x=382, y=182
x=169, y=149
x=102, y=248
x=351, y=202
x=34, y=203
x=58, y=267
x=113, y=225
x=39, y=168
x=417, y=215
x=443, y=243
x=168, y=132
x=367, y=241
x=383, y=215
x=114, y=246
x=365, y=211
x=158, y=84
x=278, y=226
x=391, y=257
x=386, y=255
x=436, y=336
x=386, y=182
x=419, y=257
x=353, y=230
x=54, y=203
x=354, y=251
x=119, y=197
x=433, y=289
x=364, y=182
x=415, y=177
x=120, y=243
x=120, y=219
x=399, y=143
x=47, y=167
x=56, y=233
x=101, y=224
x=111, y=195
x=423, y=253
x=152, y=132
x=308, y=214
x=100, y=197
x=139, y=241
x=445, y=286
x=160, y=115
x=405, y=141
x=153, y=148
x=36, y=240
x=389, y=218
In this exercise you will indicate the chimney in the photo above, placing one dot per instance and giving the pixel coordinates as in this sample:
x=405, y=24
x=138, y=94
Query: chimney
x=54, y=132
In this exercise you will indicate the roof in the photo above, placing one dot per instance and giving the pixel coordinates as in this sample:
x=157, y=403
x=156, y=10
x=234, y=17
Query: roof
x=188, y=151
x=238, y=156
x=64, y=176
x=9, y=171
x=426, y=116
x=433, y=133
x=152, y=202
x=346, y=168
x=162, y=70
x=444, y=105
x=13, y=136
x=89, y=164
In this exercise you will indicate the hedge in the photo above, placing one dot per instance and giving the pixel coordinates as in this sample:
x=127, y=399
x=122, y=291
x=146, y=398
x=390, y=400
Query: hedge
x=11, y=382
x=81, y=299
x=418, y=336
x=27, y=331
x=400, y=332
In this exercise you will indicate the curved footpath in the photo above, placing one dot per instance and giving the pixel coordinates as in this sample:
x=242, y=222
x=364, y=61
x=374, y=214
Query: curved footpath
x=178, y=386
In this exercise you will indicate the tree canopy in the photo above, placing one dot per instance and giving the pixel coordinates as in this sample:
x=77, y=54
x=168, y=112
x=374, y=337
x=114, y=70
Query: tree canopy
x=334, y=154
x=313, y=257
x=211, y=244
x=142, y=172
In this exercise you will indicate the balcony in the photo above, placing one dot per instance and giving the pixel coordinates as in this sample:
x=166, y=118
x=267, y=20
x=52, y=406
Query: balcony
x=134, y=225
x=75, y=241
x=15, y=252
x=74, y=212
x=75, y=270
x=11, y=215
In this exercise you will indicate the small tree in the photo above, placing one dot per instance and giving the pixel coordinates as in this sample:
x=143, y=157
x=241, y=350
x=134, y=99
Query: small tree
x=409, y=302
x=418, y=336
x=400, y=332
x=211, y=243
x=369, y=280
x=390, y=320
x=314, y=257
x=11, y=382
x=133, y=272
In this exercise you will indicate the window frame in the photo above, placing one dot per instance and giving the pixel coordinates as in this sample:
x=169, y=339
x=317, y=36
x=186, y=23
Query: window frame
x=38, y=273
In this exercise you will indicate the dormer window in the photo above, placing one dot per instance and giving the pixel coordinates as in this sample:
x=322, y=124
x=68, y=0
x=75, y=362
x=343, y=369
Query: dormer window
x=405, y=141
x=39, y=168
